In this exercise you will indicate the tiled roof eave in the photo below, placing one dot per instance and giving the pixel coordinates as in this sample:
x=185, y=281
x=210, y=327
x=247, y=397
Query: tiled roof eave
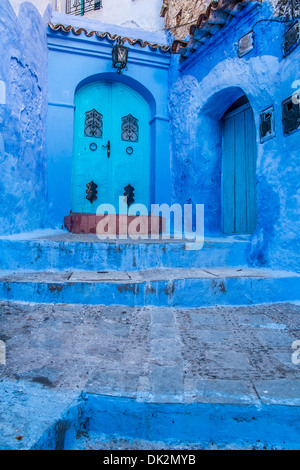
x=111, y=37
x=217, y=15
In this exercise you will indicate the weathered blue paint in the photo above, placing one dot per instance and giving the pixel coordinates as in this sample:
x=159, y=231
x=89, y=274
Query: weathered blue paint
x=201, y=90
x=196, y=424
x=180, y=292
x=49, y=254
x=114, y=171
x=23, y=104
x=29, y=409
x=65, y=418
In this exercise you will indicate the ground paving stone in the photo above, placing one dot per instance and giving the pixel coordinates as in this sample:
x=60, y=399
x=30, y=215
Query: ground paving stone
x=215, y=353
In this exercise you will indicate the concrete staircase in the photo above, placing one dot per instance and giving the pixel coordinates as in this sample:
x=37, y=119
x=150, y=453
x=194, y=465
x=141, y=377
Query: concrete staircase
x=91, y=347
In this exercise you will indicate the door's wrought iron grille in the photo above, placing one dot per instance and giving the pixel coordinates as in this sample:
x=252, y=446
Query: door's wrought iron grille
x=129, y=193
x=93, y=124
x=80, y=7
x=91, y=192
x=130, y=128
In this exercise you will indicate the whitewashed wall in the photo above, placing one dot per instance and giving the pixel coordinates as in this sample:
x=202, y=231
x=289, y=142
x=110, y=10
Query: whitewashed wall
x=41, y=5
x=143, y=14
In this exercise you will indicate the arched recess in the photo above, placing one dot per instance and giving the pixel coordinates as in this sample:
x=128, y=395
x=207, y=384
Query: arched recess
x=208, y=155
x=112, y=143
x=239, y=154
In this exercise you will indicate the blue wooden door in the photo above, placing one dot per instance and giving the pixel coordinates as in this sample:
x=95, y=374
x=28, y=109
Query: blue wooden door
x=239, y=171
x=111, y=147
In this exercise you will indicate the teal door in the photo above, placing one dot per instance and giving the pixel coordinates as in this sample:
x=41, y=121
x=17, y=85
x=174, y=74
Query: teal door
x=111, y=155
x=239, y=171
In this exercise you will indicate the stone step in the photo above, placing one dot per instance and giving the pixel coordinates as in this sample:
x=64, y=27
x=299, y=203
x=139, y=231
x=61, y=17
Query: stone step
x=66, y=251
x=159, y=287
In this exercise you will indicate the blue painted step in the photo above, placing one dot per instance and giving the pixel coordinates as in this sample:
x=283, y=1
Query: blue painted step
x=66, y=252
x=196, y=425
x=160, y=287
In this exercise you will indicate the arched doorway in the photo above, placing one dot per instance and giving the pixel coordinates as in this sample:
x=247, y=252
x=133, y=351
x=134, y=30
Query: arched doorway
x=239, y=168
x=111, y=151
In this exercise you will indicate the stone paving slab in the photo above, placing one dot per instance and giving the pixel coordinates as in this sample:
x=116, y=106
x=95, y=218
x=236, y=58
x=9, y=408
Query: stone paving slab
x=150, y=275
x=283, y=392
x=98, y=276
x=34, y=276
x=235, y=392
x=155, y=354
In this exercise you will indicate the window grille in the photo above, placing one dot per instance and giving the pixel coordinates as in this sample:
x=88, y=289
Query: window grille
x=93, y=124
x=80, y=7
x=130, y=129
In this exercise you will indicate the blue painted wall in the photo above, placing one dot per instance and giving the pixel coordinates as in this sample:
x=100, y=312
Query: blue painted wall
x=201, y=90
x=23, y=77
x=186, y=163
x=75, y=61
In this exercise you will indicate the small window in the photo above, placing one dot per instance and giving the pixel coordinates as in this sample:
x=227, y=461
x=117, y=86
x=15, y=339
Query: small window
x=80, y=7
x=291, y=114
x=291, y=39
x=267, y=124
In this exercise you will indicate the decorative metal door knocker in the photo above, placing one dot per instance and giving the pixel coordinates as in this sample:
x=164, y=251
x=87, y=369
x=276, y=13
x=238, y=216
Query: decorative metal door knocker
x=93, y=146
x=129, y=150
